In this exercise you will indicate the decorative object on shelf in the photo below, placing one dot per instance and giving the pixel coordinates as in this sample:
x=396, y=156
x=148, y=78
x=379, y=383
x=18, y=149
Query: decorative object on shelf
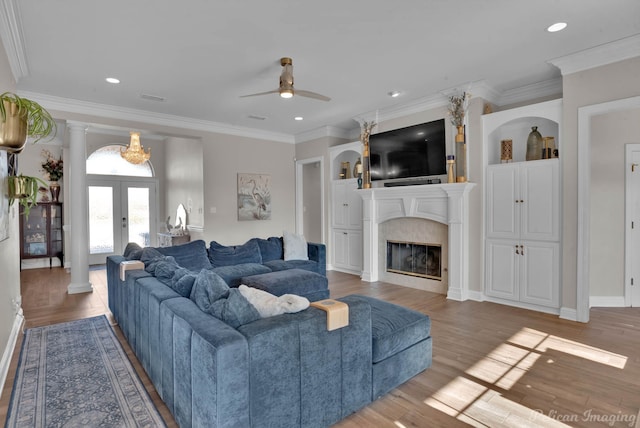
x=21, y=118
x=534, y=144
x=54, y=168
x=366, y=160
x=134, y=153
x=451, y=160
x=345, y=170
x=506, y=151
x=25, y=189
x=254, y=196
x=457, y=111
x=549, y=148
x=357, y=171
x=54, y=188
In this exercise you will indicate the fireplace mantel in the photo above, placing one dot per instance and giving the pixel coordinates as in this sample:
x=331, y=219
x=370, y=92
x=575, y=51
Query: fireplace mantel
x=444, y=203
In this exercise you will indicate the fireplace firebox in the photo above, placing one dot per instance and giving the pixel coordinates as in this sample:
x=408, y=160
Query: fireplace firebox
x=415, y=259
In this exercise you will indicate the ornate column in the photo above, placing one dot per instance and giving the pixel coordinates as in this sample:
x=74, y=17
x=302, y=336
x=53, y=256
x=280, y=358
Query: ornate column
x=78, y=201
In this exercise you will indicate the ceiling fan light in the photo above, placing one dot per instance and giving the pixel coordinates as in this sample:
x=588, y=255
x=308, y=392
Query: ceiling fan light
x=286, y=93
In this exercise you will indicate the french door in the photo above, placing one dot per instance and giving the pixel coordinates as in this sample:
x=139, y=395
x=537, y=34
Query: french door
x=632, y=225
x=121, y=210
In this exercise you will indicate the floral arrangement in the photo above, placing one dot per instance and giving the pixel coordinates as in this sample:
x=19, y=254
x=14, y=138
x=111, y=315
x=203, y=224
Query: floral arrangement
x=52, y=166
x=366, y=131
x=458, y=108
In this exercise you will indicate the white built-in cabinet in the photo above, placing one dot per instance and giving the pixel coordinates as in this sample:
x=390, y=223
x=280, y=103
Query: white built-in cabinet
x=345, y=244
x=522, y=211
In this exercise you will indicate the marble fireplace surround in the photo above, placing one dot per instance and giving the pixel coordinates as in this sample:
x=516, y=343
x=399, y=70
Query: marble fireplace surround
x=444, y=203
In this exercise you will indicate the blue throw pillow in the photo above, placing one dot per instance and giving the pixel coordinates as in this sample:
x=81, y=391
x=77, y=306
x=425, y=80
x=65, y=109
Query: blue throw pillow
x=132, y=251
x=192, y=255
x=220, y=255
x=182, y=281
x=271, y=248
x=151, y=257
x=213, y=296
x=165, y=269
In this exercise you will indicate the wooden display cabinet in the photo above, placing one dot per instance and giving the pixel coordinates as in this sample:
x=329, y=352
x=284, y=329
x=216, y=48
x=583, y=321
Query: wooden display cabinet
x=41, y=233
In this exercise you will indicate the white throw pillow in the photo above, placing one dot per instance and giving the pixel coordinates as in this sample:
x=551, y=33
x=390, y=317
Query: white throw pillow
x=269, y=305
x=295, y=246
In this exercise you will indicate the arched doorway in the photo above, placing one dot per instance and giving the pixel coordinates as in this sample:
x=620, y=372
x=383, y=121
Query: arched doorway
x=122, y=203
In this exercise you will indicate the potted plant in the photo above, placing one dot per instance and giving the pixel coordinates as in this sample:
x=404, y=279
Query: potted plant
x=21, y=118
x=25, y=189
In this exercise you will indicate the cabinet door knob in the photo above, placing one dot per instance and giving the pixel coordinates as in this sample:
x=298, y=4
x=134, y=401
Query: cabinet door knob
x=522, y=250
x=517, y=250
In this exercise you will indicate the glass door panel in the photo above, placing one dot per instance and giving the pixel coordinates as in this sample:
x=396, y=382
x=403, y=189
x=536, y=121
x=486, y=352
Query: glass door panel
x=138, y=216
x=102, y=239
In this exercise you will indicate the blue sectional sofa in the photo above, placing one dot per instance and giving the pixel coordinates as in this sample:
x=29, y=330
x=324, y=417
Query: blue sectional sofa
x=282, y=371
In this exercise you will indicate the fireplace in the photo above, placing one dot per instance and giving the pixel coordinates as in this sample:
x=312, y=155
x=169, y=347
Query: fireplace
x=414, y=259
x=442, y=203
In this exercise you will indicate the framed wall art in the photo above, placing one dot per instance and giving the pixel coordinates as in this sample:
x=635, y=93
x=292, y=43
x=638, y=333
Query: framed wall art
x=254, y=197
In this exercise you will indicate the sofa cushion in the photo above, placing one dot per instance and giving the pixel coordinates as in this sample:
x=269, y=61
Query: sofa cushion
x=270, y=248
x=277, y=265
x=151, y=257
x=232, y=274
x=192, y=255
x=182, y=281
x=213, y=296
x=220, y=255
x=295, y=246
x=132, y=251
x=394, y=328
x=291, y=281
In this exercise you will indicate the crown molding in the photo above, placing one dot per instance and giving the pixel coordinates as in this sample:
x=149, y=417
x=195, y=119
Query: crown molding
x=12, y=38
x=69, y=105
x=597, y=56
x=525, y=93
x=322, y=132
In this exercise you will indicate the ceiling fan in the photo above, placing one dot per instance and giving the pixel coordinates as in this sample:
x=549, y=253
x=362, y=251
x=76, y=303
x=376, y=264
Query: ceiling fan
x=286, y=84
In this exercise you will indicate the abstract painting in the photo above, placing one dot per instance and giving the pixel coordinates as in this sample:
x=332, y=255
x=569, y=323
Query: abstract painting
x=254, y=197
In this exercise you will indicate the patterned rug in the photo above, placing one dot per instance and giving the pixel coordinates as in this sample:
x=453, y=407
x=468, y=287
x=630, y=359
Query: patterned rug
x=76, y=374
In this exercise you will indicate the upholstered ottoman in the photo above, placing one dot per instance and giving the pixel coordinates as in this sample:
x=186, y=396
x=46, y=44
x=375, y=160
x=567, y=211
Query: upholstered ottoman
x=304, y=283
x=401, y=340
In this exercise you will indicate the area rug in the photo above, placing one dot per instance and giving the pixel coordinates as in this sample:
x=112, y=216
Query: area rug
x=76, y=374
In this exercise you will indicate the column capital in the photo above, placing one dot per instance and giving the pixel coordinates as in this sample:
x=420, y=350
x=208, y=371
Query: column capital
x=75, y=125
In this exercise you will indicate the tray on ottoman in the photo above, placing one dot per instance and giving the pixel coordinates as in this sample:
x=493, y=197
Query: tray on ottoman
x=301, y=282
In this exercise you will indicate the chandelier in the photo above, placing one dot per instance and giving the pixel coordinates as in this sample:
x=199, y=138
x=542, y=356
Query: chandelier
x=134, y=153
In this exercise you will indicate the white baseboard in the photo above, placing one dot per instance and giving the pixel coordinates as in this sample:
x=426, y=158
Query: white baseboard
x=477, y=296
x=606, y=302
x=569, y=314
x=11, y=345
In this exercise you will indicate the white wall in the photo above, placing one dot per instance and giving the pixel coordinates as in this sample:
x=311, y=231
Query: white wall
x=9, y=257
x=609, y=135
x=590, y=87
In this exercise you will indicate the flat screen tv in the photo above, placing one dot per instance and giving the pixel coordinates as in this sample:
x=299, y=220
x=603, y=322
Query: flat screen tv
x=414, y=151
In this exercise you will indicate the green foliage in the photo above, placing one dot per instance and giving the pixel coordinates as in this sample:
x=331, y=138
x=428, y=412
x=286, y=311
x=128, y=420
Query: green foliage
x=40, y=123
x=24, y=188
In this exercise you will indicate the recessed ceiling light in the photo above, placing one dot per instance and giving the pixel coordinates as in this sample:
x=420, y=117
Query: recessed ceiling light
x=298, y=118
x=558, y=26
x=112, y=80
x=394, y=94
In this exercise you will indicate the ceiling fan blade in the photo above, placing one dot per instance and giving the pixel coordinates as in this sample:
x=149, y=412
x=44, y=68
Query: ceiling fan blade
x=310, y=94
x=275, y=91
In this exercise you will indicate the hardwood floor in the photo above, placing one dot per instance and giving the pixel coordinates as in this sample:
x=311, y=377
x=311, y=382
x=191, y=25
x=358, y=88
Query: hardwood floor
x=493, y=365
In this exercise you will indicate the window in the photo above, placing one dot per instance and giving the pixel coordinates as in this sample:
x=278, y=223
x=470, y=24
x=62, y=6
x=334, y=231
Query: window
x=107, y=161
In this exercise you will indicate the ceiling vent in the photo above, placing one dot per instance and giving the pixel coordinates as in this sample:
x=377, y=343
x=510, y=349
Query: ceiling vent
x=152, y=97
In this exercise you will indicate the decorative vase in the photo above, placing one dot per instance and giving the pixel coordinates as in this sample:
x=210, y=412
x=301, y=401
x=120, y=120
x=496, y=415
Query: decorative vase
x=461, y=156
x=366, y=166
x=13, y=131
x=534, y=144
x=54, y=188
x=450, y=162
